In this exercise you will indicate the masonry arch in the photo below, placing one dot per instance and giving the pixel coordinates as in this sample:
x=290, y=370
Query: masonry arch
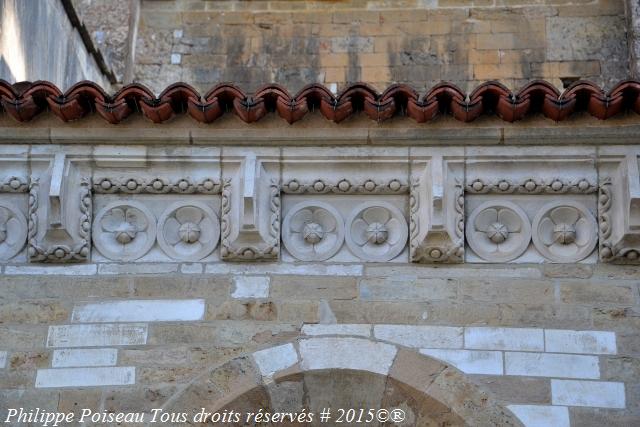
x=343, y=372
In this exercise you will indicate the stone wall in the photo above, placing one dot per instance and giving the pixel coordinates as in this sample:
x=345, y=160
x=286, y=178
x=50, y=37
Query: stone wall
x=562, y=339
x=38, y=42
x=417, y=42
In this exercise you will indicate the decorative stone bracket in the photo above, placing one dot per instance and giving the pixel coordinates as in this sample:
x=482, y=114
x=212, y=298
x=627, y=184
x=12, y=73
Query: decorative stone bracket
x=437, y=210
x=60, y=211
x=619, y=206
x=250, y=212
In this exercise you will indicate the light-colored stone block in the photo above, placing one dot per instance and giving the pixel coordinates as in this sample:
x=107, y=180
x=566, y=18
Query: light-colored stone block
x=192, y=268
x=541, y=415
x=140, y=311
x=69, y=358
x=85, y=377
x=469, y=361
x=487, y=338
x=96, y=335
x=347, y=353
x=3, y=359
x=142, y=268
x=272, y=360
x=337, y=329
x=287, y=269
x=551, y=365
x=64, y=270
x=420, y=336
x=598, y=394
x=250, y=287
x=589, y=342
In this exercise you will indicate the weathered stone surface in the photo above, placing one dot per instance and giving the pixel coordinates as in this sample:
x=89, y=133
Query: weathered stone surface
x=139, y=311
x=337, y=329
x=408, y=290
x=96, y=335
x=275, y=359
x=590, y=342
x=512, y=389
x=504, y=339
x=250, y=287
x=346, y=353
x=470, y=361
x=310, y=287
x=67, y=358
x=420, y=336
x=84, y=377
x=538, y=415
x=599, y=292
x=588, y=393
x=551, y=365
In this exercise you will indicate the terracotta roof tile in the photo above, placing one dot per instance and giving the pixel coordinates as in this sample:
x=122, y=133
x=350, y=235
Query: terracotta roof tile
x=24, y=101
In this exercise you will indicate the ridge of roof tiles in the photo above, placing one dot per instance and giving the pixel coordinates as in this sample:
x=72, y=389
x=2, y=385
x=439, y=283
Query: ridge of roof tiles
x=25, y=100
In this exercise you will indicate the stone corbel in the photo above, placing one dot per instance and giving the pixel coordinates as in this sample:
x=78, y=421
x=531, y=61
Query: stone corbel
x=619, y=209
x=437, y=211
x=250, y=213
x=60, y=211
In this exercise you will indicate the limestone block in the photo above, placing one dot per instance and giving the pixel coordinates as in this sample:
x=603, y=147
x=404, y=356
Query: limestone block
x=541, y=415
x=337, y=329
x=469, y=361
x=551, y=365
x=139, y=311
x=420, y=336
x=71, y=358
x=96, y=335
x=250, y=287
x=599, y=394
x=3, y=359
x=85, y=377
x=346, y=353
x=67, y=270
x=274, y=359
x=589, y=342
x=525, y=339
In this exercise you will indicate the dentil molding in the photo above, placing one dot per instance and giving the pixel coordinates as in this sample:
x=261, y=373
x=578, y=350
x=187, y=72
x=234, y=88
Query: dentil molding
x=61, y=204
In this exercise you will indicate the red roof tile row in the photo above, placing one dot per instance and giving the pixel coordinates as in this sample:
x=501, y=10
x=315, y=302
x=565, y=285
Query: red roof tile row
x=23, y=101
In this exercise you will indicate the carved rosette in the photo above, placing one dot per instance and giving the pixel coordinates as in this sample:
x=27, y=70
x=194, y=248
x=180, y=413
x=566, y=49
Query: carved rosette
x=376, y=231
x=313, y=231
x=124, y=230
x=14, y=184
x=564, y=231
x=13, y=231
x=498, y=231
x=188, y=231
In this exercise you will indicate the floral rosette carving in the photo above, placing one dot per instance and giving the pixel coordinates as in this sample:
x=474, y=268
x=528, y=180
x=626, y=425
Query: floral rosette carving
x=313, y=231
x=124, y=231
x=498, y=231
x=376, y=231
x=13, y=232
x=564, y=231
x=188, y=231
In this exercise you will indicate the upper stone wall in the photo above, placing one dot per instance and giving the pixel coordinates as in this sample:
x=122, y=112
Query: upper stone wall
x=419, y=42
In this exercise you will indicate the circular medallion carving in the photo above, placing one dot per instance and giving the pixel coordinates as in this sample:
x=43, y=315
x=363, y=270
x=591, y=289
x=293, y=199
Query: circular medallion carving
x=124, y=230
x=313, y=231
x=564, y=231
x=188, y=231
x=376, y=231
x=498, y=231
x=13, y=231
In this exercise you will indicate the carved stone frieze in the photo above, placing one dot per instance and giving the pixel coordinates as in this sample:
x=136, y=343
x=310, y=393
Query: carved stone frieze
x=346, y=186
x=158, y=185
x=373, y=204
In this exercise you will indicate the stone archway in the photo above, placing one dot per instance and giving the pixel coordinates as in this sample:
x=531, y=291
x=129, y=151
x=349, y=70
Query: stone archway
x=342, y=372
